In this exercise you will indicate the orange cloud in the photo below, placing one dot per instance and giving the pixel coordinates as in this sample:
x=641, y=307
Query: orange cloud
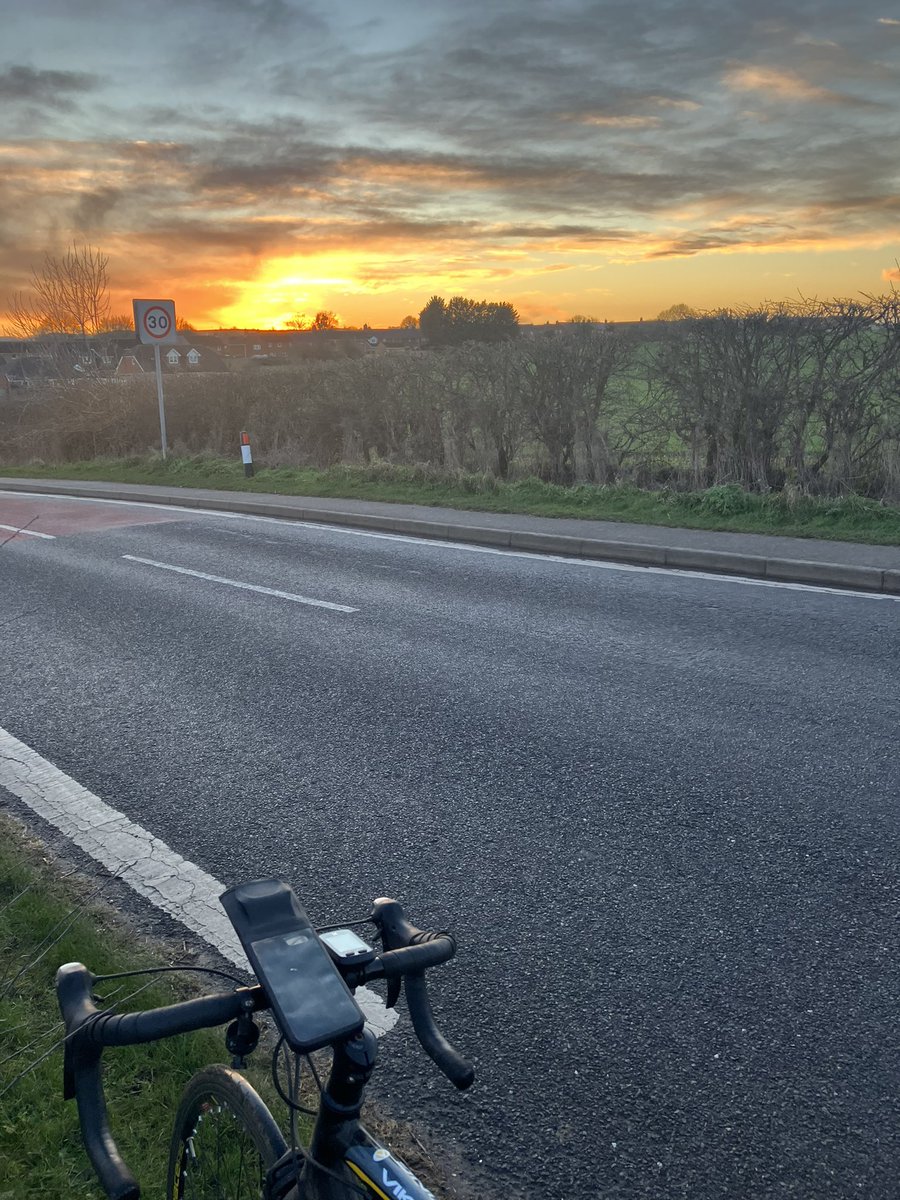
x=612, y=122
x=668, y=102
x=784, y=84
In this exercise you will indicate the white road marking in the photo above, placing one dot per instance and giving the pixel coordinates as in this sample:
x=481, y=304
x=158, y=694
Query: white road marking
x=247, y=587
x=441, y=543
x=596, y=563
x=155, y=871
x=29, y=532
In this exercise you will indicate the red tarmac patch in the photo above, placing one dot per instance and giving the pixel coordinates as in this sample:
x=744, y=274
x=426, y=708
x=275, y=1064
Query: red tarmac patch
x=64, y=517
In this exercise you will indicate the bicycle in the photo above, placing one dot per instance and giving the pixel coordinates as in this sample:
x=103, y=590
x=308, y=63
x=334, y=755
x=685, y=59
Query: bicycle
x=225, y=1141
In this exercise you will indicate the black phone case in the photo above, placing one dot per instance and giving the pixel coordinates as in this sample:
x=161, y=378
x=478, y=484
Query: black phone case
x=312, y=1004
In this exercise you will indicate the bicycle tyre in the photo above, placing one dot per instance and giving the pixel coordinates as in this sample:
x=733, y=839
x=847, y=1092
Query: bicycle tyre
x=224, y=1140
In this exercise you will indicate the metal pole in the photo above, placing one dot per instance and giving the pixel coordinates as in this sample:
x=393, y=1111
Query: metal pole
x=162, y=403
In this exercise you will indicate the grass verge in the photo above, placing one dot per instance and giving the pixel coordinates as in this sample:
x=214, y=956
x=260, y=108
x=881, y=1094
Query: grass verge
x=47, y=919
x=726, y=507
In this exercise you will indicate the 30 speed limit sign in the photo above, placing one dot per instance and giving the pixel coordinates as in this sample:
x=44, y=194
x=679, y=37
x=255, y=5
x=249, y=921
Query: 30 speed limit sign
x=154, y=321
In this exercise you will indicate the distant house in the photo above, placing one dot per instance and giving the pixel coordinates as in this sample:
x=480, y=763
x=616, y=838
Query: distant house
x=14, y=348
x=269, y=346
x=30, y=369
x=181, y=358
x=60, y=358
x=129, y=365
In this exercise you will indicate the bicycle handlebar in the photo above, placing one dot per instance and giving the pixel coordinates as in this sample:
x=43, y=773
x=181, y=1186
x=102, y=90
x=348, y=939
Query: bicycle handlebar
x=408, y=953
x=89, y=1030
x=82, y=1080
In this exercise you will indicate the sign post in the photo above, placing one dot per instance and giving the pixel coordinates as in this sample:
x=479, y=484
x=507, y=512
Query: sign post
x=154, y=323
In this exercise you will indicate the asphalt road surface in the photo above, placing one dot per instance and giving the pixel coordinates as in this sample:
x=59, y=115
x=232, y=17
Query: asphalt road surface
x=660, y=812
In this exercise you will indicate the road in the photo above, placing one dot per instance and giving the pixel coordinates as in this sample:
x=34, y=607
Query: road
x=660, y=812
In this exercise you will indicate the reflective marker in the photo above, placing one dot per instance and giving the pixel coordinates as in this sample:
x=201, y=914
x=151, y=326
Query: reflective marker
x=246, y=455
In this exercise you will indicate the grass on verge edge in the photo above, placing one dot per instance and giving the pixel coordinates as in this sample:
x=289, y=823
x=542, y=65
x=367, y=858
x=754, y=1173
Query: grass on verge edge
x=40, y=1141
x=726, y=507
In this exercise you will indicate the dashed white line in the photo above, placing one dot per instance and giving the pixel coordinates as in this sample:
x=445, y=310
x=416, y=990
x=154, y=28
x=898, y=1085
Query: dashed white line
x=247, y=587
x=149, y=866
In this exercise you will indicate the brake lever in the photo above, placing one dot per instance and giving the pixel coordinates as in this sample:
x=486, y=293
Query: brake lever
x=395, y=983
x=393, y=991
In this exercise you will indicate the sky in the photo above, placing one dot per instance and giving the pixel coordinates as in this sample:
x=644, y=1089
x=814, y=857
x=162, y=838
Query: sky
x=255, y=159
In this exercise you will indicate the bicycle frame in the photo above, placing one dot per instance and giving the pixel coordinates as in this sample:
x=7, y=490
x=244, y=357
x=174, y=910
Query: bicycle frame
x=340, y=1138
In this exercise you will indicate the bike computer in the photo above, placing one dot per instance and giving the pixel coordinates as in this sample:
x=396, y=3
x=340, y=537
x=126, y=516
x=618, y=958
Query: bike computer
x=311, y=1002
x=347, y=948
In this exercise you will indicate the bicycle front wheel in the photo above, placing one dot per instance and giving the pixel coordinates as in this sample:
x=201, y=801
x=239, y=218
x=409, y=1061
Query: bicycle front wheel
x=224, y=1140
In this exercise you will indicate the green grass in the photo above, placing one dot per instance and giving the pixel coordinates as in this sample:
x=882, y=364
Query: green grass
x=40, y=1144
x=728, y=507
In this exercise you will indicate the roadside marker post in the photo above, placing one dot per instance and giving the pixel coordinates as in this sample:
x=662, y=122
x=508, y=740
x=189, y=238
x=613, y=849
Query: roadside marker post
x=154, y=323
x=246, y=455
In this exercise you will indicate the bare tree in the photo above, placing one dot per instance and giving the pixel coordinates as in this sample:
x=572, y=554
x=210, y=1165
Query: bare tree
x=68, y=294
x=727, y=381
x=678, y=312
x=566, y=398
x=324, y=320
x=847, y=432
x=497, y=373
x=121, y=323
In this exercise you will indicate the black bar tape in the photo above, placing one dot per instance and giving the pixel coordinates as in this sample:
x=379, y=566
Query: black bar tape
x=458, y=1071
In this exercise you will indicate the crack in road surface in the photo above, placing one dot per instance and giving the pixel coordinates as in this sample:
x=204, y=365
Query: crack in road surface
x=149, y=866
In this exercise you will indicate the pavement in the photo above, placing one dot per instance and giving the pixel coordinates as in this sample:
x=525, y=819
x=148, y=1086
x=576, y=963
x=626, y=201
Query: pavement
x=822, y=563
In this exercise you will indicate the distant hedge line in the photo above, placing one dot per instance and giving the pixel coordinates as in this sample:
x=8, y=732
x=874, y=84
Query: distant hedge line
x=806, y=396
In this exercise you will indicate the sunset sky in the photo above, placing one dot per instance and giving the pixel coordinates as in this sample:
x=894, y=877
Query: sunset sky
x=257, y=158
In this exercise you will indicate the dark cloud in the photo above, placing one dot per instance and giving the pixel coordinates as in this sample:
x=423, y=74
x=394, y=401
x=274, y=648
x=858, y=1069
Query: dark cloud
x=52, y=88
x=585, y=234
x=179, y=234
x=92, y=209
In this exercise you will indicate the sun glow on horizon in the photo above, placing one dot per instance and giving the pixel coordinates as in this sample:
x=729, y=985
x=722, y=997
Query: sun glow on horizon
x=358, y=287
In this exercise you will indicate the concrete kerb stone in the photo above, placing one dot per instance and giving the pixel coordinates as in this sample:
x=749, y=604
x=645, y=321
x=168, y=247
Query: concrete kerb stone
x=717, y=561
x=868, y=579
x=483, y=536
x=413, y=528
x=891, y=582
x=546, y=543
x=404, y=525
x=628, y=552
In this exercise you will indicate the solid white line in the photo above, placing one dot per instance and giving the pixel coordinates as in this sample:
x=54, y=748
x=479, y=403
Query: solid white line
x=247, y=587
x=29, y=532
x=155, y=871
x=598, y=564
x=439, y=543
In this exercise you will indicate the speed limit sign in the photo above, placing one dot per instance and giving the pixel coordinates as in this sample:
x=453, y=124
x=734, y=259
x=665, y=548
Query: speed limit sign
x=154, y=321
